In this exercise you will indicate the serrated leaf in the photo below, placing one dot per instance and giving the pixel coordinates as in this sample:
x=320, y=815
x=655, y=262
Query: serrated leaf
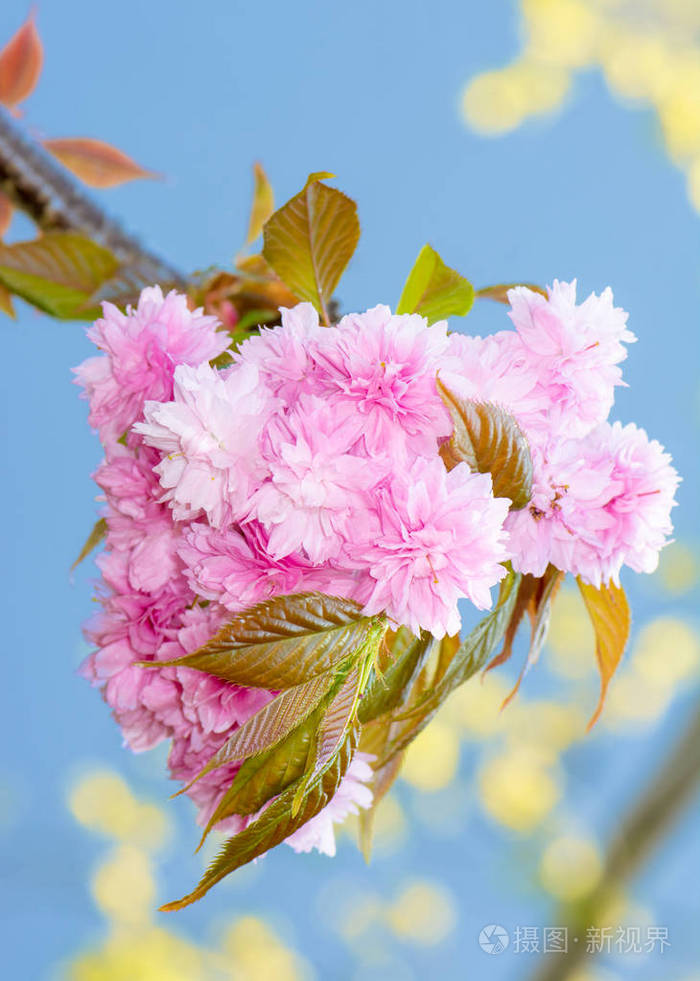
x=310, y=240
x=266, y=775
x=499, y=293
x=276, y=823
x=263, y=204
x=58, y=272
x=96, y=163
x=389, y=689
x=610, y=615
x=273, y=723
x=469, y=658
x=97, y=535
x=282, y=642
x=435, y=291
x=488, y=439
x=540, y=608
x=6, y=212
x=21, y=61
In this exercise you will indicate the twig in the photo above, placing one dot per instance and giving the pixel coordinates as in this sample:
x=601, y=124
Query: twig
x=673, y=786
x=40, y=186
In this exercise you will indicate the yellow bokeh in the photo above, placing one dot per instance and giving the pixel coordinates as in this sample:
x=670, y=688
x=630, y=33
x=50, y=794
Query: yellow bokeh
x=101, y=801
x=124, y=886
x=549, y=728
x=667, y=652
x=679, y=569
x=571, y=867
x=518, y=789
x=432, y=760
x=652, y=59
x=258, y=954
x=476, y=707
x=423, y=913
x=151, y=954
x=571, y=640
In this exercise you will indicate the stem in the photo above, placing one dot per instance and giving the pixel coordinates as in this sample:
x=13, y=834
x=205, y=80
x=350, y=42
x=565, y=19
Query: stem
x=672, y=787
x=39, y=185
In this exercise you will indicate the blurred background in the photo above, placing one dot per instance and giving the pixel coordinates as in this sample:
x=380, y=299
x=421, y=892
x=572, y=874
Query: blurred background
x=525, y=140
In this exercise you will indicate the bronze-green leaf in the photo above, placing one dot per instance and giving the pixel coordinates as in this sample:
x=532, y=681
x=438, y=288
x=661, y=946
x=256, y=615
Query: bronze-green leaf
x=489, y=440
x=97, y=534
x=434, y=290
x=282, y=642
x=310, y=240
x=269, y=726
x=57, y=272
x=499, y=293
x=389, y=689
x=263, y=204
x=276, y=823
x=610, y=615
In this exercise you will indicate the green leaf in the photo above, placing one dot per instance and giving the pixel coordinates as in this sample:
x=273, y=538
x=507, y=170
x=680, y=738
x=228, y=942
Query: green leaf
x=276, y=823
x=58, y=273
x=269, y=773
x=610, y=615
x=389, y=690
x=470, y=657
x=282, y=642
x=97, y=534
x=310, y=240
x=6, y=302
x=499, y=293
x=488, y=439
x=273, y=723
x=434, y=290
x=263, y=204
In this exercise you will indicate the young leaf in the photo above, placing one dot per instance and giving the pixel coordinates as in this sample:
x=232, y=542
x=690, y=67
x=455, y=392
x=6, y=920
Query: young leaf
x=20, y=64
x=282, y=642
x=95, y=162
x=97, y=534
x=434, y=290
x=266, y=775
x=540, y=608
x=6, y=212
x=276, y=823
x=270, y=725
x=58, y=272
x=489, y=440
x=310, y=240
x=263, y=204
x=610, y=615
x=499, y=293
x=6, y=302
x=388, y=690
x=471, y=655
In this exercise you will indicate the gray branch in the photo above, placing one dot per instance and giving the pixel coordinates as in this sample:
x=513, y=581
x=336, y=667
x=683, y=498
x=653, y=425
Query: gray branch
x=39, y=185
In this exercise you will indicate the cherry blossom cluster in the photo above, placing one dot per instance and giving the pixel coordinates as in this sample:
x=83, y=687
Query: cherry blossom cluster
x=311, y=461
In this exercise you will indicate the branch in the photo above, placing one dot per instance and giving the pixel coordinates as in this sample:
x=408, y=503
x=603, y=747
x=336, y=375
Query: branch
x=673, y=786
x=39, y=185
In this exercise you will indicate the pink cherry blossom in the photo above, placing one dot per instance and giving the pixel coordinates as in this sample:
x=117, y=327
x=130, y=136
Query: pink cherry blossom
x=141, y=349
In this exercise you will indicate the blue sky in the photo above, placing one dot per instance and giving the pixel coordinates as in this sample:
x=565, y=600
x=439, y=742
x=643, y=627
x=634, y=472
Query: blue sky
x=370, y=92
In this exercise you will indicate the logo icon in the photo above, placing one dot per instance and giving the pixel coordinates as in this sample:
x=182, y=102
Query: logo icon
x=494, y=939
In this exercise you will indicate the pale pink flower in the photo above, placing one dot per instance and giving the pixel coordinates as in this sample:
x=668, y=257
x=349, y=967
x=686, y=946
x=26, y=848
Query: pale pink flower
x=209, y=436
x=352, y=794
x=439, y=538
x=384, y=365
x=575, y=349
x=282, y=354
x=315, y=497
x=599, y=503
x=141, y=349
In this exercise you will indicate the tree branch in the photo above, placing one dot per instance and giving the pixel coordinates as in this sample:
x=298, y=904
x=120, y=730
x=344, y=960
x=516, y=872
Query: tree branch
x=673, y=786
x=39, y=185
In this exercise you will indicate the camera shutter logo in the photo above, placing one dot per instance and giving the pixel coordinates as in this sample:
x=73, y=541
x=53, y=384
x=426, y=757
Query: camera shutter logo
x=494, y=939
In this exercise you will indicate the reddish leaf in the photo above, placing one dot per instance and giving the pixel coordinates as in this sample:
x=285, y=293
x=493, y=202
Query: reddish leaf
x=6, y=301
x=20, y=64
x=96, y=163
x=610, y=615
x=500, y=293
x=6, y=210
